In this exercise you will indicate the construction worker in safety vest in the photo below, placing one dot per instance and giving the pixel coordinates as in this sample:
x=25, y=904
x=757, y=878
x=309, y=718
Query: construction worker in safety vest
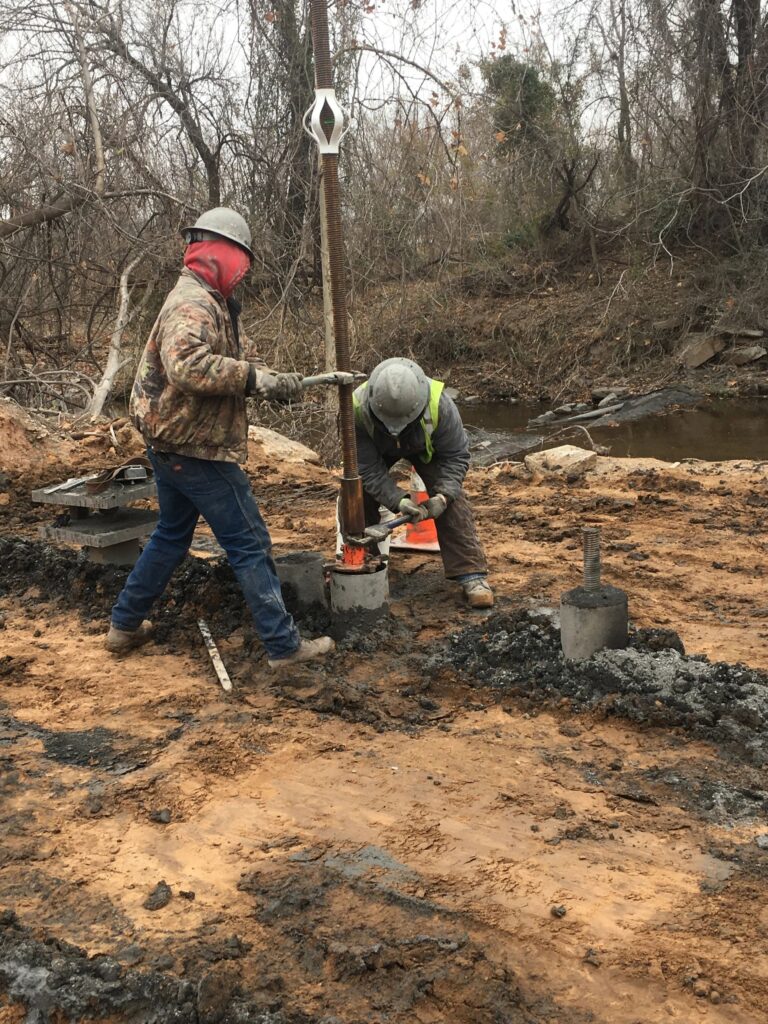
x=188, y=401
x=400, y=413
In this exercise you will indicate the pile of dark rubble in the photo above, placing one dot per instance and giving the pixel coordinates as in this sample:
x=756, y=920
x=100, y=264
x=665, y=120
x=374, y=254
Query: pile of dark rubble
x=651, y=682
x=200, y=587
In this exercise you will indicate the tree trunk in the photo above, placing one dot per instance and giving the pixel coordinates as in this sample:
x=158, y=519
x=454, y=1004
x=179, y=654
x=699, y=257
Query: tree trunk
x=114, y=361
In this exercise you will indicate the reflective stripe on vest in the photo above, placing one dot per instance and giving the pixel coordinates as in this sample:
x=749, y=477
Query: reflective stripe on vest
x=429, y=420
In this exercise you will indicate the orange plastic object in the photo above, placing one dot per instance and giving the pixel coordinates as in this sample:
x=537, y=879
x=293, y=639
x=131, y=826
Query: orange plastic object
x=352, y=554
x=418, y=536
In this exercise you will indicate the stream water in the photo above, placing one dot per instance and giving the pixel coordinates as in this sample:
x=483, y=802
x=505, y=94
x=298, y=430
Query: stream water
x=733, y=428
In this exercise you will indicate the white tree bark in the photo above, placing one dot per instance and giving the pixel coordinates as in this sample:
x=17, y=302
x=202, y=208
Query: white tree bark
x=114, y=362
x=90, y=102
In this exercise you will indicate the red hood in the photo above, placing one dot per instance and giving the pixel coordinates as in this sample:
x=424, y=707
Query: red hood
x=222, y=265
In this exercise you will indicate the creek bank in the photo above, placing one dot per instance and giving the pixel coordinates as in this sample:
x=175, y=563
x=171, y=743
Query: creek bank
x=709, y=430
x=606, y=408
x=652, y=682
x=618, y=407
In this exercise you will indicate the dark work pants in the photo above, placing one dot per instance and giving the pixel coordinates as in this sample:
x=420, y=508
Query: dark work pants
x=460, y=546
x=219, y=491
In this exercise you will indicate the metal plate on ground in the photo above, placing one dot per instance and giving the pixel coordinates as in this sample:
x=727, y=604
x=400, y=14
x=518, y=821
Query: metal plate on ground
x=102, y=532
x=116, y=496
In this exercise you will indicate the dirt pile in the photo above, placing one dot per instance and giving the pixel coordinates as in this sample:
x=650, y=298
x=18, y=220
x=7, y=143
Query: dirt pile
x=34, y=452
x=27, y=447
x=652, y=682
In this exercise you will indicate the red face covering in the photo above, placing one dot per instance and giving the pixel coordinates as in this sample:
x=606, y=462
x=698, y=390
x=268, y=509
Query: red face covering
x=221, y=264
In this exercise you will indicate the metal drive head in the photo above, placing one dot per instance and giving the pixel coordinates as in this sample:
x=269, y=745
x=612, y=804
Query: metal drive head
x=399, y=392
x=220, y=222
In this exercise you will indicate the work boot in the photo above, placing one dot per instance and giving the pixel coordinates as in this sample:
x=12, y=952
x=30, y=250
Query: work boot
x=121, y=641
x=307, y=650
x=477, y=593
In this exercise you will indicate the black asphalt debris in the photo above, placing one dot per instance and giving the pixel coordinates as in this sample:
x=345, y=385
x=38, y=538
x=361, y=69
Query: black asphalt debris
x=651, y=682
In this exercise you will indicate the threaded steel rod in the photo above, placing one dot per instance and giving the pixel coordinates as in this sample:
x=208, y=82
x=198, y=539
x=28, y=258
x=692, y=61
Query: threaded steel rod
x=591, y=538
x=351, y=488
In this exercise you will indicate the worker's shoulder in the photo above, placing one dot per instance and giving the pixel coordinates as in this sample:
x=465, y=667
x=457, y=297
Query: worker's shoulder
x=190, y=298
x=447, y=404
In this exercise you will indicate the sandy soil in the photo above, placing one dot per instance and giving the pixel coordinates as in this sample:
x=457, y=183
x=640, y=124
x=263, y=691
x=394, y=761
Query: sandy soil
x=363, y=842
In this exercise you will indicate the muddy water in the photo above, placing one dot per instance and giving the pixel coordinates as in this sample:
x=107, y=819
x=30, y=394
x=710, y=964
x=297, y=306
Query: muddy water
x=727, y=429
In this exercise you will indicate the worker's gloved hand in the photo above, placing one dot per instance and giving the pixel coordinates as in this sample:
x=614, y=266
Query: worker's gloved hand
x=410, y=508
x=436, y=505
x=280, y=387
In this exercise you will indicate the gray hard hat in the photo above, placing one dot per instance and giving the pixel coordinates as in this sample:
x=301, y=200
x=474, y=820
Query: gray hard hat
x=220, y=222
x=399, y=392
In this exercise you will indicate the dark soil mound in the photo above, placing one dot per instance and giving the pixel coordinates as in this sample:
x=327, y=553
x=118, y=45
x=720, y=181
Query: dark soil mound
x=651, y=682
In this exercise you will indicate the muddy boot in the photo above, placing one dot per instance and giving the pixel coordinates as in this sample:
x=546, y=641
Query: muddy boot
x=307, y=650
x=121, y=641
x=477, y=593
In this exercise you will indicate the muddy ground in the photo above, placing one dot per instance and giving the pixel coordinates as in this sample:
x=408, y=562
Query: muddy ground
x=444, y=823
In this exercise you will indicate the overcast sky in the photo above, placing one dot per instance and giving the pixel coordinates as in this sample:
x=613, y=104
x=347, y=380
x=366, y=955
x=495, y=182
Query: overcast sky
x=441, y=34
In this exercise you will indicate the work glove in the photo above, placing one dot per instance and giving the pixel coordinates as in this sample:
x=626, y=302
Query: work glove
x=436, y=505
x=409, y=508
x=280, y=387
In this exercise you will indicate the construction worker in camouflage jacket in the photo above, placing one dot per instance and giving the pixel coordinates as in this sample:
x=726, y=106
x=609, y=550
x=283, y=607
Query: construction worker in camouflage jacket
x=188, y=401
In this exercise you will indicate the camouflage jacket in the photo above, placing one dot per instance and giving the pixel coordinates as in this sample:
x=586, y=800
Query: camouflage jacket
x=189, y=392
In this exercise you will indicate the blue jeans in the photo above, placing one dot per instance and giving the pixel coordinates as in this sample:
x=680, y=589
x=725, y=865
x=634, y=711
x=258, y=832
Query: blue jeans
x=220, y=492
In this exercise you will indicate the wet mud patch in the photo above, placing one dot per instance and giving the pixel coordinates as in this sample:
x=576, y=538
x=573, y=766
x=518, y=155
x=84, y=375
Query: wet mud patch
x=198, y=587
x=350, y=930
x=342, y=936
x=651, y=682
x=63, y=905
x=98, y=748
x=392, y=697
x=718, y=798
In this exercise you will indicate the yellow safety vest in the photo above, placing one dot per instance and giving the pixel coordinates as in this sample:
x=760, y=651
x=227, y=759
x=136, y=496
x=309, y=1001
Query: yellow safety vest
x=428, y=420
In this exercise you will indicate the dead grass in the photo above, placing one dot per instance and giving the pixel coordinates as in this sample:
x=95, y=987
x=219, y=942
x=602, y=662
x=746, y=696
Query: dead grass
x=536, y=330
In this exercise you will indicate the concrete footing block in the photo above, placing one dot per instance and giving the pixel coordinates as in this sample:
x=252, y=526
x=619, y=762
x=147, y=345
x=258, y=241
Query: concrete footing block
x=358, y=597
x=302, y=579
x=592, y=620
x=125, y=553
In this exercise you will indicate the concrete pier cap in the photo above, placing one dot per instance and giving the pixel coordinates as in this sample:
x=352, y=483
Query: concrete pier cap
x=592, y=620
x=359, y=596
x=302, y=579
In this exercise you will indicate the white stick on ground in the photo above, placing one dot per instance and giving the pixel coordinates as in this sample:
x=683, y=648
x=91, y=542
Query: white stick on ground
x=218, y=664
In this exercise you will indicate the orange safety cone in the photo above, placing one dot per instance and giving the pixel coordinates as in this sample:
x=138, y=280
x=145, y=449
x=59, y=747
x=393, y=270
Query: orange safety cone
x=418, y=536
